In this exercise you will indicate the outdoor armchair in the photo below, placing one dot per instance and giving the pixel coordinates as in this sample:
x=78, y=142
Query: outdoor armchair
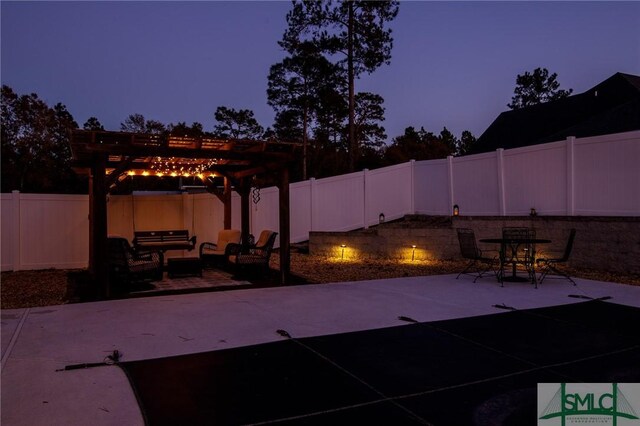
x=127, y=265
x=214, y=252
x=477, y=262
x=550, y=264
x=254, y=256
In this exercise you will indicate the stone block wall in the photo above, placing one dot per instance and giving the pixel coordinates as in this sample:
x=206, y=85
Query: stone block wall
x=602, y=243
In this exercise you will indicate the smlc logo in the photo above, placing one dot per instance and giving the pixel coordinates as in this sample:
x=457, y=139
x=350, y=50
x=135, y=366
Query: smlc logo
x=588, y=403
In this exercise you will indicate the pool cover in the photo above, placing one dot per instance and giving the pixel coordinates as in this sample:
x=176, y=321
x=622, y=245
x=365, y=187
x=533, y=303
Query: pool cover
x=480, y=370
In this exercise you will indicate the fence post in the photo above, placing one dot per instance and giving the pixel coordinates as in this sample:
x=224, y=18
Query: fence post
x=412, y=200
x=571, y=205
x=16, y=257
x=365, y=173
x=450, y=186
x=312, y=202
x=501, y=191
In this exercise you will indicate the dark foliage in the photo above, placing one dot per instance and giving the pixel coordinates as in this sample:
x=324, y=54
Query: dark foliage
x=536, y=88
x=36, y=155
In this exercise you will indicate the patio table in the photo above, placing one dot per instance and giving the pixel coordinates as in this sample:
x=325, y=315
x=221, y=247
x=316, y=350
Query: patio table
x=184, y=267
x=513, y=244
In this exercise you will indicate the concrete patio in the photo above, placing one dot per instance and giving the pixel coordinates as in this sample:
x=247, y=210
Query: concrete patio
x=38, y=341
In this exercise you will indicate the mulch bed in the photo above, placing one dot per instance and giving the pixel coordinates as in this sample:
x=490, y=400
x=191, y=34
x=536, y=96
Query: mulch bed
x=26, y=289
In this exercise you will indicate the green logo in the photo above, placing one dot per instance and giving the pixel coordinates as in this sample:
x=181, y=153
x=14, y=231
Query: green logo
x=593, y=404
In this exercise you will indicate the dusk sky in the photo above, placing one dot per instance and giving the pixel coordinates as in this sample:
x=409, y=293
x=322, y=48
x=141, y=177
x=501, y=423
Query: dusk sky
x=453, y=64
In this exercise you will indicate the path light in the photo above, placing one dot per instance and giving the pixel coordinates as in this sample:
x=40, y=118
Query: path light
x=456, y=210
x=533, y=212
x=343, y=246
x=381, y=218
x=413, y=252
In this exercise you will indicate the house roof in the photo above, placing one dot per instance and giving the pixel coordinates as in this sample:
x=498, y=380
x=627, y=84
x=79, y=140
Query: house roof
x=613, y=106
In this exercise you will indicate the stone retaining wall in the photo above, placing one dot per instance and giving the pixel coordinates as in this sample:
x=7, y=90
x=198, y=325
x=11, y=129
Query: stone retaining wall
x=602, y=243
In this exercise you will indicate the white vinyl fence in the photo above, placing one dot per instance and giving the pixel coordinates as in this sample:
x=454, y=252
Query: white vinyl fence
x=596, y=176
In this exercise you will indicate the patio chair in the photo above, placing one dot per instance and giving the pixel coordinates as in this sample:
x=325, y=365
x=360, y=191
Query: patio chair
x=254, y=257
x=126, y=265
x=214, y=253
x=549, y=264
x=469, y=250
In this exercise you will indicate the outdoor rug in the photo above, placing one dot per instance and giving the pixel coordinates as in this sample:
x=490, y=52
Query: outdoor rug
x=211, y=279
x=472, y=371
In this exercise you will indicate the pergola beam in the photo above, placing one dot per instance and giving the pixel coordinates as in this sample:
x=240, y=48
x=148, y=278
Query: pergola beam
x=121, y=168
x=137, y=151
x=285, y=232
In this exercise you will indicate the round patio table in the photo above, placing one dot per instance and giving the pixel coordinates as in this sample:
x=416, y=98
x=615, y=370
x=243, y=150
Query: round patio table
x=514, y=243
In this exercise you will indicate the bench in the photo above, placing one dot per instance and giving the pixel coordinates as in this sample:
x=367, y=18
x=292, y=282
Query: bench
x=163, y=240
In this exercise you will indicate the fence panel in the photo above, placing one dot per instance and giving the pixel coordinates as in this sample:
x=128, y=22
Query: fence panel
x=300, y=210
x=340, y=203
x=431, y=181
x=8, y=231
x=475, y=184
x=607, y=175
x=120, y=216
x=536, y=177
x=56, y=228
x=388, y=191
x=208, y=217
x=161, y=212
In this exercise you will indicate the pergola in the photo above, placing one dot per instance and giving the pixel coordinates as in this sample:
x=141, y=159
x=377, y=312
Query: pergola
x=110, y=157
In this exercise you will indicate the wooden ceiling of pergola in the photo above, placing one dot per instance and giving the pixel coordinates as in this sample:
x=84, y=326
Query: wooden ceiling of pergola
x=158, y=155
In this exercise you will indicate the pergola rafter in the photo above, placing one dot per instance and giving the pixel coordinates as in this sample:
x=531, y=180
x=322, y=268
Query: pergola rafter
x=108, y=157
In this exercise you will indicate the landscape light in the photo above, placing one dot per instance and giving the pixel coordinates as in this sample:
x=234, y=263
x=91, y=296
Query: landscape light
x=343, y=246
x=413, y=252
x=456, y=210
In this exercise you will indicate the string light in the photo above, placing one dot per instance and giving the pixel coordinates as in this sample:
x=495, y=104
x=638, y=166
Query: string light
x=176, y=166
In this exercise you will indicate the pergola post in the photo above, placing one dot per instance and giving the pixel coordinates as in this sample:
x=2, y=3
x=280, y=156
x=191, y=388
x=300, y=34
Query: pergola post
x=244, y=190
x=226, y=199
x=98, y=226
x=285, y=234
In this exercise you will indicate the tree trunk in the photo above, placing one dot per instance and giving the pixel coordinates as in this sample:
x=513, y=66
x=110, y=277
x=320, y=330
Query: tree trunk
x=353, y=143
x=304, y=142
